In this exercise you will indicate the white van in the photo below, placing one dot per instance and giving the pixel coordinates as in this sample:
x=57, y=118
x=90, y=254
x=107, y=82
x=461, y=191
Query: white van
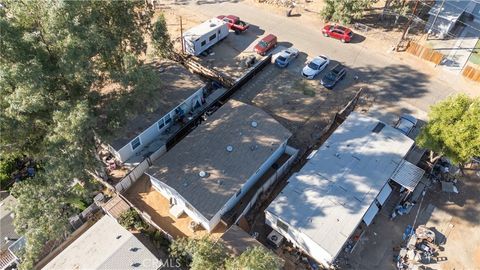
x=203, y=36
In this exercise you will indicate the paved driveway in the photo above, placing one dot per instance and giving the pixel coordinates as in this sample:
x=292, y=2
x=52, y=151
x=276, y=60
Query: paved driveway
x=398, y=86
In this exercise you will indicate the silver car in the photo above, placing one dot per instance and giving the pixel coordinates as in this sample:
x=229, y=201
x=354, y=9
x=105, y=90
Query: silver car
x=286, y=56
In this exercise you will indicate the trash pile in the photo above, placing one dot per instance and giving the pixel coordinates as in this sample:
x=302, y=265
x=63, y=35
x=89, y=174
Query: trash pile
x=419, y=248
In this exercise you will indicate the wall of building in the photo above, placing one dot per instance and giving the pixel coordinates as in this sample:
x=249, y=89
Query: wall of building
x=301, y=241
x=149, y=134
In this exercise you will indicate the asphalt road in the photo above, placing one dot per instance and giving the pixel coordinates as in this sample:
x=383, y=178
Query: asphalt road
x=397, y=86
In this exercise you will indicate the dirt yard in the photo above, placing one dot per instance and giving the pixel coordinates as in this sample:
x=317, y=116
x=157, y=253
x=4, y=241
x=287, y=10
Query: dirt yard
x=303, y=106
x=453, y=216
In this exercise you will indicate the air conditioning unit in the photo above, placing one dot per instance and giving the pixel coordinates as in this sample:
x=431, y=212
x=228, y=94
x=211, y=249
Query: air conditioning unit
x=275, y=238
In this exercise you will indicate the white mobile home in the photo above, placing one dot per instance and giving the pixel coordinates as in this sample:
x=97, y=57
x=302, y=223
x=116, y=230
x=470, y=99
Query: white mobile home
x=209, y=171
x=179, y=94
x=205, y=35
x=342, y=185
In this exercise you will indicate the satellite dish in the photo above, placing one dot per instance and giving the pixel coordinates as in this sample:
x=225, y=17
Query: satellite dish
x=254, y=124
x=229, y=148
x=202, y=174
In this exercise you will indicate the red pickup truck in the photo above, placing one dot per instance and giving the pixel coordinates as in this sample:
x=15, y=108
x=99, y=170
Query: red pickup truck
x=234, y=23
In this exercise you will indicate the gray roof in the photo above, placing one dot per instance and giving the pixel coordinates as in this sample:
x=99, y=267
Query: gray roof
x=204, y=149
x=238, y=241
x=6, y=221
x=105, y=245
x=328, y=197
x=177, y=85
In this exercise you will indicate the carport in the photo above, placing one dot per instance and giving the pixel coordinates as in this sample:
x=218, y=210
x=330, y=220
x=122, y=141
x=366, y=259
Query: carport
x=408, y=175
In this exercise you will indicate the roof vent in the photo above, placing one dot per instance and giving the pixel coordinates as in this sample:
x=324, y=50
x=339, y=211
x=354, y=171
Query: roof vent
x=118, y=236
x=203, y=174
x=229, y=148
x=185, y=184
x=212, y=25
x=136, y=264
x=254, y=147
x=220, y=182
x=254, y=124
x=134, y=249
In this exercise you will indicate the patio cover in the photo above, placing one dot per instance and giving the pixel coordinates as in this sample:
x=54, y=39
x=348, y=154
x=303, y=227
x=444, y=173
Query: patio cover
x=408, y=175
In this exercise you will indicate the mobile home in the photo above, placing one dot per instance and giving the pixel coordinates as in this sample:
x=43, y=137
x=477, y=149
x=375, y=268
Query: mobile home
x=205, y=35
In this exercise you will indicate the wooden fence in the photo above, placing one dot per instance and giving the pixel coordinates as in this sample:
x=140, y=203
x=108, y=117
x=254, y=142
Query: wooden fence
x=424, y=52
x=471, y=73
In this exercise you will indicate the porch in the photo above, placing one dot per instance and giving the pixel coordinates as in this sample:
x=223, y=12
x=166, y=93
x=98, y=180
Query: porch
x=149, y=201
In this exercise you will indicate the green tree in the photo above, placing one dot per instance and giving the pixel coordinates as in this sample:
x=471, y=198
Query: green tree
x=344, y=11
x=256, y=258
x=132, y=220
x=161, y=39
x=55, y=56
x=203, y=253
x=453, y=129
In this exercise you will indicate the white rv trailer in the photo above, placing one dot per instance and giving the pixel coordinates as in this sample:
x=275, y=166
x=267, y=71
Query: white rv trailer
x=203, y=36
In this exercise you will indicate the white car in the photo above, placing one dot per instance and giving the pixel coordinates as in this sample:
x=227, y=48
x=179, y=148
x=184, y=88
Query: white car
x=315, y=66
x=286, y=56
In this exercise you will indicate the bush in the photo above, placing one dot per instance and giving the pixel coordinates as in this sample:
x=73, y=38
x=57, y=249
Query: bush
x=132, y=220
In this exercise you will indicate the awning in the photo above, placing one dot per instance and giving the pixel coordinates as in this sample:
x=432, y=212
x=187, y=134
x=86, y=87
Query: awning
x=407, y=175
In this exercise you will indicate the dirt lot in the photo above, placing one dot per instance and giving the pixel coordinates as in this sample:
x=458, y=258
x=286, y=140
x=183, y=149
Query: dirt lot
x=305, y=107
x=453, y=216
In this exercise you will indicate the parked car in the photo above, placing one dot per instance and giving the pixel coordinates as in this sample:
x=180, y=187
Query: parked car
x=234, y=23
x=286, y=56
x=266, y=44
x=342, y=33
x=406, y=123
x=315, y=66
x=336, y=74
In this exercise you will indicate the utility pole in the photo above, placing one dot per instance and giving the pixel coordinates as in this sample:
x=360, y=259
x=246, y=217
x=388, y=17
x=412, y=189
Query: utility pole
x=181, y=35
x=407, y=26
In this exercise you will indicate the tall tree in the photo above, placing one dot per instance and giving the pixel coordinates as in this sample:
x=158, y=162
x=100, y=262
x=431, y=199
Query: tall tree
x=453, y=128
x=54, y=57
x=344, y=11
x=256, y=258
x=204, y=254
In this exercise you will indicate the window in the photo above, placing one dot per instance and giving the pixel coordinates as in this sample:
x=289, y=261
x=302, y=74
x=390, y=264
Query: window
x=238, y=193
x=203, y=43
x=168, y=119
x=212, y=37
x=282, y=225
x=136, y=143
x=161, y=124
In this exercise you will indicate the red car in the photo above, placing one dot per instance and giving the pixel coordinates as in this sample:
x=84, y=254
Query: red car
x=266, y=44
x=234, y=23
x=342, y=33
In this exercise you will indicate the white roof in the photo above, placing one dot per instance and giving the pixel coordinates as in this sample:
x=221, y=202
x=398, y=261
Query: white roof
x=105, y=245
x=328, y=198
x=203, y=28
x=408, y=175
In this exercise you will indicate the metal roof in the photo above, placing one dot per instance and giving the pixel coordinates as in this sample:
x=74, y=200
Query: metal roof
x=408, y=175
x=105, y=245
x=328, y=197
x=230, y=147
